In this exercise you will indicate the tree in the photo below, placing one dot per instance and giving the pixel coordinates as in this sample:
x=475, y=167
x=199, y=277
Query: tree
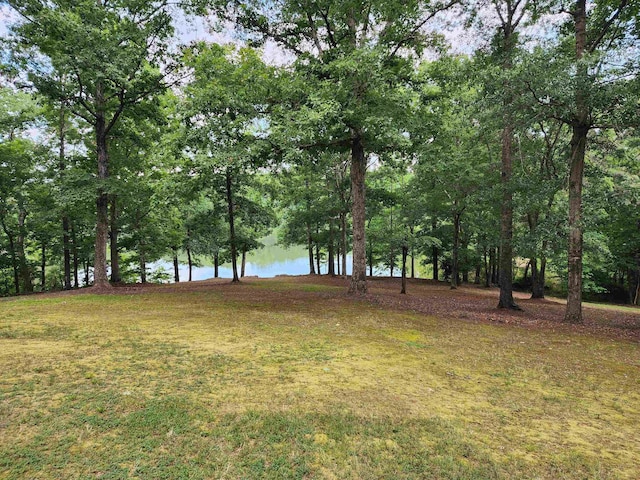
x=582, y=83
x=108, y=55
x=226, y=112
x=356, y=56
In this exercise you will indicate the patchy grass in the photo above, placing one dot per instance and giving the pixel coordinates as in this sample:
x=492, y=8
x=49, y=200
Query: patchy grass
x=278, y=379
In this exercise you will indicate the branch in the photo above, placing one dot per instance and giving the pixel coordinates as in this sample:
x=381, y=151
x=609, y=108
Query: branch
x=116, y=115
x=314, y=33
x=421, y=24
x=605, y=28
x=82, y=101
x=325, y=17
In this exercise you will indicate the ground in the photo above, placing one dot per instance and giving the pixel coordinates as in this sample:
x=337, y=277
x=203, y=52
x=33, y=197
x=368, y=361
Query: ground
x=291, y=378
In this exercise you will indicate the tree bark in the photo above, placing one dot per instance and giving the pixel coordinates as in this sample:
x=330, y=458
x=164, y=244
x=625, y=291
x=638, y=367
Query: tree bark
x=317, y=252
x=487, y=270
x=392, y=253
x=506, y=223
x=113, y=239
x=404, y=269
x=100, y=279
x=232, y=228
x=25, y=270
x=358, y=284
x=538, y=277
x=65, y=218
x=143, y=266
x=43, y=266
x=413, y=264
x=343, y=241
x=580, y=129
x=14, y=260
x=312, y=270
x=456, y=248
x=76, y=280
x=434, y=250
x=216, y=265
x=243, y=262
x=176, y=267
x=189, y=261
x=506, y=208
x=331, y=270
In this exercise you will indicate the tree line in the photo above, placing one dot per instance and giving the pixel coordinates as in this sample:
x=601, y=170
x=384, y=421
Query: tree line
x=375, y=138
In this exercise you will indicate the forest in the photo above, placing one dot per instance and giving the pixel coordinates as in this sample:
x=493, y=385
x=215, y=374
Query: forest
x=488, y=142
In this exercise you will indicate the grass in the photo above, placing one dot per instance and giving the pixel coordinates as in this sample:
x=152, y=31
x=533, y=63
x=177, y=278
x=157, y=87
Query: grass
x=247, y=382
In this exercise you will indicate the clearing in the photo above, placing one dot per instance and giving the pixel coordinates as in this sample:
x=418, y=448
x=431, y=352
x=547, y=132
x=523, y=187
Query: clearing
x=290, y=378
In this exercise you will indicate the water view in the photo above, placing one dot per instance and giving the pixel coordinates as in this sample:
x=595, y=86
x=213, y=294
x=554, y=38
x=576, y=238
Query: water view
x=266, y=262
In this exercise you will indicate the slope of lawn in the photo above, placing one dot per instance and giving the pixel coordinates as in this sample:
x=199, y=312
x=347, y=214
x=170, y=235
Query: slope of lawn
x=287, y=379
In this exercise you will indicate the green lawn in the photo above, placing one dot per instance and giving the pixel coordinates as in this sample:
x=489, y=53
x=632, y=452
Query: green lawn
x=282, y=380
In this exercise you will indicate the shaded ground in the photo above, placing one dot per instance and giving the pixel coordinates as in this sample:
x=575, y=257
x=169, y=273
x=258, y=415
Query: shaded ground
x=468, y=302
x=290, y=378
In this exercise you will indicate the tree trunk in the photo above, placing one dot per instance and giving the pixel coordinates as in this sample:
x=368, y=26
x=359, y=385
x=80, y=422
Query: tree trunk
x=392, y=253
x=312, y=270
x=456, y=247
x=43, y=266
x=76, y=280
x=86, y=273
x=331, y=270
x=113, y=239
x=143, y=266
x=359, y=262
x=506, y=224
x=14, y=260
x=25, y=270
x=243, y=262
x=100, y=279
x=189, y=262
x=537, y=277
x=404, y=269
x=476, y=279
x=413, y=259
x=343, y=241
x=65, y=217
x=216, y=265
x=176, y=267
x=232, y=227
x=526, y=272
x=580, y=129
x=338, y=271
x=573, y=312
x=506, y=207
x=434, y=249
x=317, y=253
x=487, y=270
x=66, y=252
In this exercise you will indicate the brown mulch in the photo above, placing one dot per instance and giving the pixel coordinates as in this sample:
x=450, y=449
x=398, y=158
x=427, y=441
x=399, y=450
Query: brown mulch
x=467, y=303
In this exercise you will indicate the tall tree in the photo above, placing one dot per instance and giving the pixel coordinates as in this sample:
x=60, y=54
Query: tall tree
x=357, y=53
x=109, y=55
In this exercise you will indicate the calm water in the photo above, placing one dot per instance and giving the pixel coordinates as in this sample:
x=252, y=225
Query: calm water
x=266, y=262
x=297, y=266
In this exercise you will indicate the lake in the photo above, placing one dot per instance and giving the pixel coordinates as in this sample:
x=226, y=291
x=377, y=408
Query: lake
x=266, y=262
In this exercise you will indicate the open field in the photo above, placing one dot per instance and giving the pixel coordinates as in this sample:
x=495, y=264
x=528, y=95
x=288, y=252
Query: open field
x=290, y=378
